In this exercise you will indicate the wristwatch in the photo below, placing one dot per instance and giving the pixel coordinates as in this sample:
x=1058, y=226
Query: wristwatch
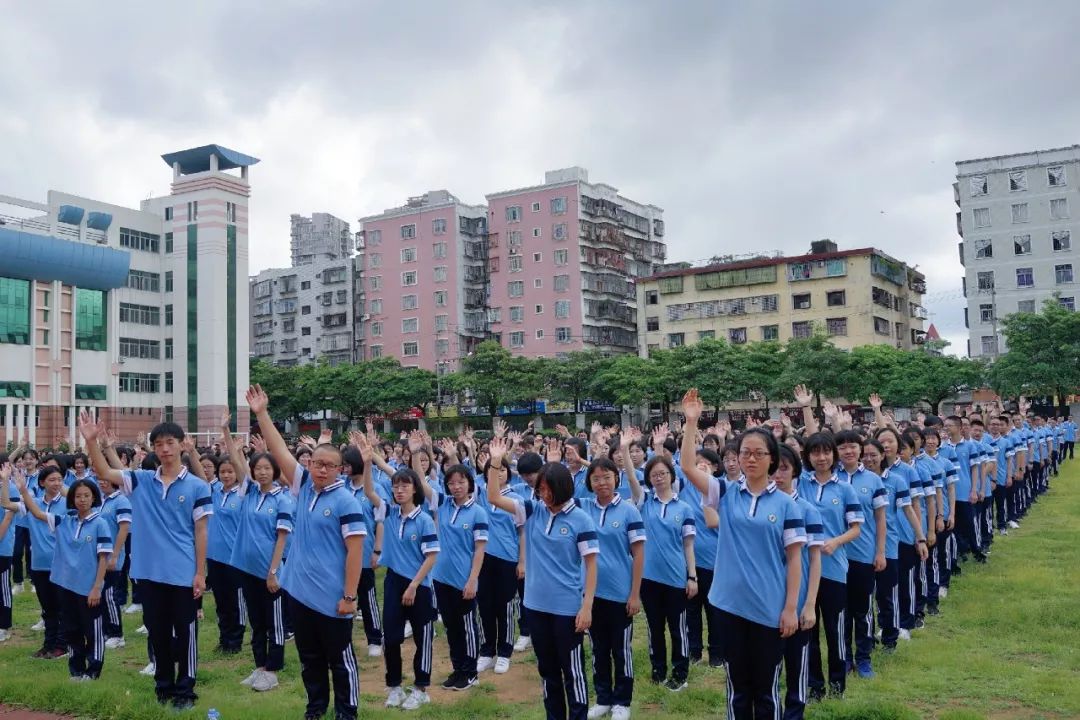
x=348, y=598
x=692, y=577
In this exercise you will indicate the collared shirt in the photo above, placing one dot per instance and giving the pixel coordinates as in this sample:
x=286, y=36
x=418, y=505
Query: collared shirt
x=705, y=537
x=262, y=515
x=42, y=539
x=896, y=481
x=618, y=527
x=460, y=528
x=923, y=473
x=555, y=546
x=164, y=548
x=840, y=510
x=373, y=517
x=815, y=537
x=116, y=511
x=667, y=524
x=502, y=529
x=580, y=489
x=750, y=576
x=407, y=540
x=944, y=481
x=78, y=545
x=967, y=457
x=872, y=495
x=225, y=523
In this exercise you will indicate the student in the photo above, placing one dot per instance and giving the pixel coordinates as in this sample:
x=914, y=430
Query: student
x=528, y=469
x=576, y=459
x=498, y=575
x=50, y=481
x=926, y=504
x=842, y=519
x=116, y=512
x=866, y=553
x=83, y=546
x=323, y=569
x=7, y=550
x=560, y=540
x=967, y=486
x=938, y=572
x=224, y=578
x=621, y=534
x=669, y=577
x=462, y=525
x=78, y=469
x=758, y=572
x=370, y=613
x=27, y=458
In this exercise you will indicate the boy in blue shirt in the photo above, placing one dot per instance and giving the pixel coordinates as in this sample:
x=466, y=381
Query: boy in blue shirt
x=967, y=484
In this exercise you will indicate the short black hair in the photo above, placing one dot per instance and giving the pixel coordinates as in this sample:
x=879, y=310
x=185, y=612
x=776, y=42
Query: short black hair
x=601, y=463
x=269, y=458
x=80, y=456
x=846, y=437
x=529, y=463
x=977, y=421
x=352, y=459
x=462, y=470
x=408, y=476
x=731, y=446
x=932, y=421
x=94, y=490
x=792, y=458
x=150, y=462
x=931, y=432
x=770, y=444
x=712, y=437
x=46, y=471
x=653, y=462
x=670, y=445
x=579, y=445
x=215, y=459
x=819, y=441
x=714, y=459
x=304, y=450
x=167, y=429
x=559, y=482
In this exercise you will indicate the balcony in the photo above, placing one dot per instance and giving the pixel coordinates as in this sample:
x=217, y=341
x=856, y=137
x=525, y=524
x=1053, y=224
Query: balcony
x=610, y=310
x=959, y=225
x=918, y=311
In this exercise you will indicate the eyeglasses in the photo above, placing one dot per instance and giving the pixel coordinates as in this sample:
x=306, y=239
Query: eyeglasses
x=323, y=465
x=756, y=454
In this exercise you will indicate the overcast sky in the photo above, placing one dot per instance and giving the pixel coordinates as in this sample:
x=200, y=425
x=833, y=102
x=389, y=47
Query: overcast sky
x=754, y=125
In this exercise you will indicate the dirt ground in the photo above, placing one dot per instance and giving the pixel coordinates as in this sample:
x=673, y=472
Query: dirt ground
x=9, y=713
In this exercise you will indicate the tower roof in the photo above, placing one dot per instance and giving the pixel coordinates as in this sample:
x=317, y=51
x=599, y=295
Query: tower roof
x=195, y=160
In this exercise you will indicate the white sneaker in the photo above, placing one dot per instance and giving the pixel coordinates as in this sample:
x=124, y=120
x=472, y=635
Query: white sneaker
x=620, y=712
x=149, y=669
x=502, y=665
x=395, y=697
x=38, y=626
x=5, y=635
x=415, y=700
x=17, y=589
x=905, y=634
x=943, y=592
x=522, y=643
x=374, y=651
x=598, y=711
x=1001, y=532
x=877, y=634
x=484, y=663
x=132, y=609
x=250, y=679
x=1014, y=525
x=408, y=629
x=267, y=680
x=114, y=643
x=141, y=630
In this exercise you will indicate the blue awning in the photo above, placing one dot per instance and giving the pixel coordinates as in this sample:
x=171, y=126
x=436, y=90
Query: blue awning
x=197, y=159
x=70, y=214
x=42, y=257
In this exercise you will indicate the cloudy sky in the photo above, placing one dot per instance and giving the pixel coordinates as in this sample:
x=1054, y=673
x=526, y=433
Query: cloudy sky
x=754, y=125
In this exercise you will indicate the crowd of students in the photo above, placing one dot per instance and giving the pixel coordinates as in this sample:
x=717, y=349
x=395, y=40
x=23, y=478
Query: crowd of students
x=742, y=549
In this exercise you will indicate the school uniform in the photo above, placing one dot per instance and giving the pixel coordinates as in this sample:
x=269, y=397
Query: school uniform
x=580, y=489
x=460, y=528
x=48, y=594
x=407, y=539
x=896, y=482
x=263, y=515
x=663, y=585
x=163, y=560
x=556, y=545
x=705, y=541
x=859, y=620
x=7, y=551
x=1070, y=438
x=939, y=562
x=314, y=580
x=947, y=552
x=618, y=528
x=498, y=580
x=21, y=559
x=797, y=647
x=967, y=528
x=750, y=589
x=367, y=600
x=909, y=557
x=525, y=492
x=924, y=469
x=1005, y=453
x=984, y=513
x=840, y=510
x=115, y=511
x=225, y=579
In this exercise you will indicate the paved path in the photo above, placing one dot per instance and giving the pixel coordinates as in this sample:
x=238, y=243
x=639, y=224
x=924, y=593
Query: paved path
x=10, y=713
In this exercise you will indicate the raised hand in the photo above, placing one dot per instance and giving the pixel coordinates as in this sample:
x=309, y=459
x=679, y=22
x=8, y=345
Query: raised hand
x=188, y=446
x=306, y=440
x=803, y=396
x=554, y=452
x=875, y=401
x=416, y=441
x=258, y=443
x=326, y=436
x=562, y=430
x=88, y=427
x=785, y=421
x=257, y=399
x=692, y=407
x=498, y=428
x=497, y=449
x=830, y=409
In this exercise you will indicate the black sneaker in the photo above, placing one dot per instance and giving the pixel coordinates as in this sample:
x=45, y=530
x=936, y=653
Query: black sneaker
x=182, y=704
x=695, y=659
x=464, y=682
x=716, y=662
x=836, y=690
x=919, y=623
x=674, y=685
x=658, y=677
x=817, y=694
x=451, y=682
x=932, y=609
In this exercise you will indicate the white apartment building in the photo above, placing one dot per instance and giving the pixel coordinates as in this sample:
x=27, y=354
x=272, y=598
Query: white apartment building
x=1018, y=217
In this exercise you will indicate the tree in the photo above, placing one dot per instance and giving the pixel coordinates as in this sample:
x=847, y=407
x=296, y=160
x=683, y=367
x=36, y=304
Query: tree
x=487, y=375
x=816, y=363
x=668, y=378
x=294, y=391
x=760, y=366
x=875, y=369
x=932, y=378
x=628, y=380
x=1043, y=355
x=713, y=367
x=574, y=377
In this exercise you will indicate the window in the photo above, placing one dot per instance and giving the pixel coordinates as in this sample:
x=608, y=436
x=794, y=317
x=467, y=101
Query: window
x=408, y=302
x=141, y=280
x=139, y=348
x=539, y=334
x=376, y=328
x=561, y=283
x=652, y=324
x=438, y=250
x=1061, y=240
x=90, y=392
x=770, y=332
x=1019, y=213
x=1063, y=273
x=836, y=298
x=558, y=231
x=671, y=285
x=538, y=257
x=514, y=264
x=305, y=309
x=1069, y=303
x=408, y=278
x=376, y=306
x=800, y=301
x=538, y=283
x=1018, y=181
x=493, y=265
x=376, y=351
x=408, y=232
x=340, y=297
x=736, y=336
x=230, y=212
x=13, y=389
x=984, y=249
x=989, y=345
x=536, y=207
x=1059, y=209
x=517, y=339
x=441, y=322
x=977, y=185
x=375, y=260
x=376, y=282
x=168, y=213
x=1025, y=277
x=168, y=242
x=800, y=270
x=408, y=255
x=652, y=297
x=410, y=349
x=142, y=314
x=558, y=206
x=137, y=240
x=986, y=280
x=986, y=313
x=168, y=348
x=305, y=285
x=836, y=327
x=560, y=257
x=802, y=329
x=1021, y=244
x=562, y=309
x=139, y=382
x=193, y=210
x=90, y=311
x=440, y=273
x=442, y=349
x=168, y=281
x=517, y=313
x=981, y=217
x=410, y=325
x=513, y=213
x=536, y=232
x=514, y=241
x=881, y=325
x=1025, y=306
x=440, y=298
x=1055, y=176
x=562, y=334
x=168, y=314
x=438, y=226
x=515, y=288
x=305, y=331
x=676, y=339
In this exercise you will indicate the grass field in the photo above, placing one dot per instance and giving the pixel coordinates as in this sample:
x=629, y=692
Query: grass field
x=1006, y=646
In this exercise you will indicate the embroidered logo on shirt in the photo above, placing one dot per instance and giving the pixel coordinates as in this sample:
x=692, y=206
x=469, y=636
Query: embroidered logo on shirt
x=836, y=501
x=465, y=526
x=615, y=524
x=678, y=518
x=270, y=510
x=413, y=536
x=864, y=490
x=326, y=512
x=564, y=530
x=181, y=499
x=772, y=518
x=87, y=538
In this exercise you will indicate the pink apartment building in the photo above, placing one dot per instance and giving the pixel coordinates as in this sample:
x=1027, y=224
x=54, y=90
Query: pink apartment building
x=424, y=274
x=562, y=260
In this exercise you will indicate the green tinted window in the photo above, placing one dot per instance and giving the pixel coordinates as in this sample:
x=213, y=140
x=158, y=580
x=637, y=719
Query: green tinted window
x=90, y=328
x=90, y=392
x=14, y=389
x=14, y=311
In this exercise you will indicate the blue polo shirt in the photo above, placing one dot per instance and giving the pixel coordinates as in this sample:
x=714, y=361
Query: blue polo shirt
x=1002, y=448
x=262, y=515
x=897, y=481
x=750, y=576
x=967, y=457
x=23, y=519
x=872, y=495
x=7, y=540
x=78, y=545
x=943, y=479
x=706, y=537
x=372, y=519
x=936, y=471
x=116, y=511
x=225, y=523
x=555, y=546
x=667, y=524
x=164, y=548
x=502, y=529
x=815, y=537
x=927, y=489
x=323, y=520
x=840, y=510
x=42, y=539
x=915, y=491
x=460, y=528
x=618, y=527
x=624, y=483
x=407, y=539
x=580, y=490
x=1070, y=431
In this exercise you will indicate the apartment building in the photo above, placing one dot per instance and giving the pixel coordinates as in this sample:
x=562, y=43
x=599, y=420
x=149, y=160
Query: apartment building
x=424, y=281
x=562, y=261
x=857, y=297
x=132, y=314
x=305, y=312
x=1015, y=221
